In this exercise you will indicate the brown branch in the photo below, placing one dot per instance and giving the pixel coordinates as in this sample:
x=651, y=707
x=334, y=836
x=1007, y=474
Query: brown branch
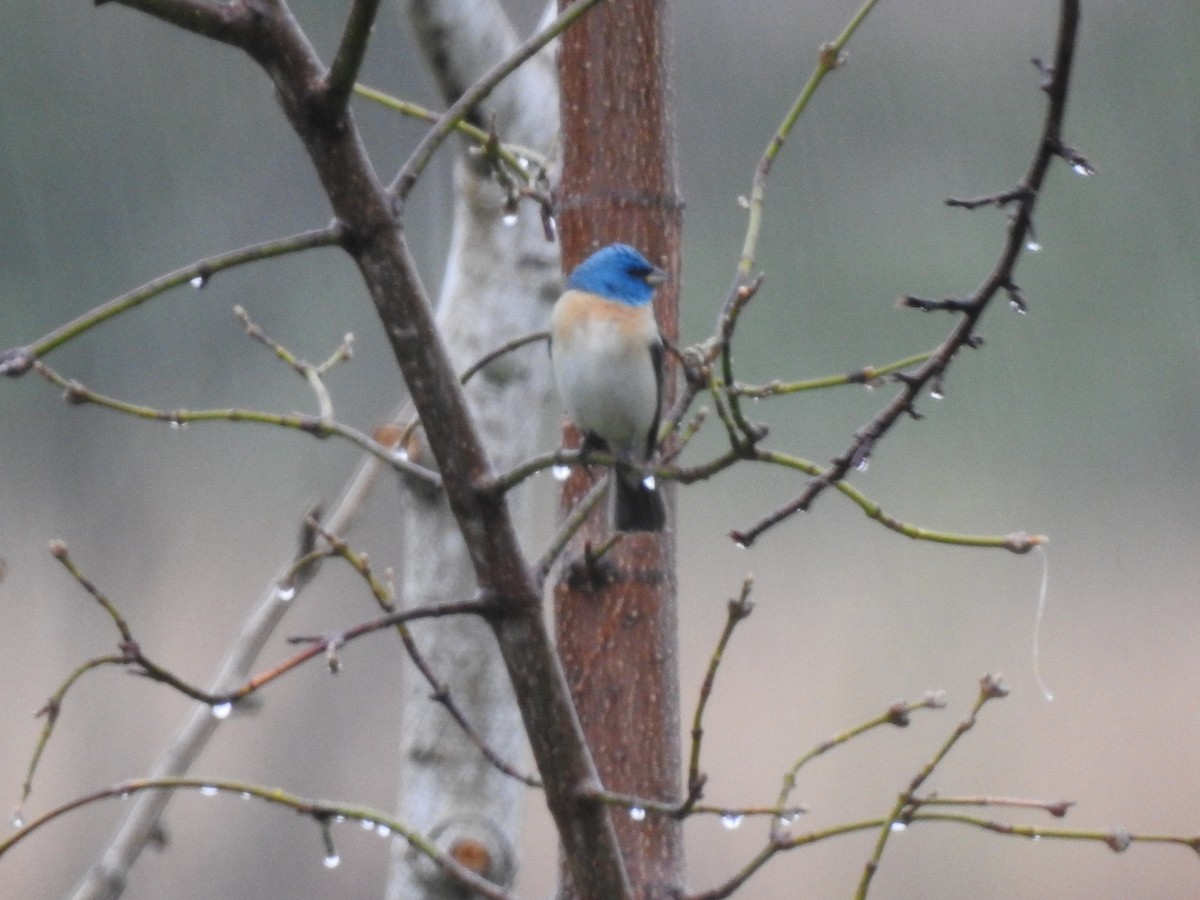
x=228, y=23
x=366, y=209
x=441, y=692
x=343, y=72
x=1023, y=198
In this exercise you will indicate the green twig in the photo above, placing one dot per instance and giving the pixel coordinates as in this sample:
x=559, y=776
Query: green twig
x=322, y=812
x=738, y=609
x=314, y=425
x=866, y=375
x=1016, y=542
x=897, y=714
x=513, y=155
x=19, y=360
x=407, y=177
x=990, y=689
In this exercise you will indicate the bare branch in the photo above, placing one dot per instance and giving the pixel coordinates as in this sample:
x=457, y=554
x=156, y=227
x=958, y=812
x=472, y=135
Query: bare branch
x=318, y=427
x=738, y=609
x=349, y=58
x=990, y=689
x=1024, y=197
x=20, y=360
x=407, y=177
x=322, y=812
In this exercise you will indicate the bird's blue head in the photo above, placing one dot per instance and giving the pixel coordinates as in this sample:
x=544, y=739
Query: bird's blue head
x=618, y=272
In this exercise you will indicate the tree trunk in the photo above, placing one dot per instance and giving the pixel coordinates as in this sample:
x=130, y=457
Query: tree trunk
x=498, y=285
x=618, y=639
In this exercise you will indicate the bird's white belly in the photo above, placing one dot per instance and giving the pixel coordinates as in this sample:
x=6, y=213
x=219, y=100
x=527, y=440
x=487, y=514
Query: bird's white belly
x=608, y=386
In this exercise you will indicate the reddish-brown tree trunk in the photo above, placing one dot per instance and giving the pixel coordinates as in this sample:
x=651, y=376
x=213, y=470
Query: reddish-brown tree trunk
x=618, y=638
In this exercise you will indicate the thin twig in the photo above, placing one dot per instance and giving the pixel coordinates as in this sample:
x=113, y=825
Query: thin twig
x=18, y=360
x=511, y=154
x=971, y=308
x=990, y=689
x=897, y=714
x=322, y=812
x=398, y=618
x=318, y=427
x=738, y=610
x=407, y=177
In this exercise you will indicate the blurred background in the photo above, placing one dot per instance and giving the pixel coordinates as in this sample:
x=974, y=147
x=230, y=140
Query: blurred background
x=128, y=149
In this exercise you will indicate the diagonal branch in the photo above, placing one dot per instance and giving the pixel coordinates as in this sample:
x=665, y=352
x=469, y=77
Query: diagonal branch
x=366, y=209
x=346, y=64
x=19, y=360
x=998, y=281
x=407, y=177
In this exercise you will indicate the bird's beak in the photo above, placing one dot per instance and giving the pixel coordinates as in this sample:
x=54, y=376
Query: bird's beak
x=656, y=277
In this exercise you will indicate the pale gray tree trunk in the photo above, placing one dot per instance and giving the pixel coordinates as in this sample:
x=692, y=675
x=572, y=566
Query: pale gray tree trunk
x=499, y=282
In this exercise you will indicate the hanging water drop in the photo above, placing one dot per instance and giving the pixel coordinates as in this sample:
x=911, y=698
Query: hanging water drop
x=731, y=820
x=18, y=820
x=367, y=825
x=509, y=218
x=637, y=813
x=1083, y=169
x=1032, y=246
x=331, y=861
x=560, y=472
x=209, y=790
x=1018, y=307
x=862, y=464
x=649, y=483
x=199, y=281
x=222, y=710
x=383, y=830
x=898, y=826
x=285, y=592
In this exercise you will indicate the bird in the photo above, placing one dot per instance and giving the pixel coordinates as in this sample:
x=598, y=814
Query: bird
x=607, y=356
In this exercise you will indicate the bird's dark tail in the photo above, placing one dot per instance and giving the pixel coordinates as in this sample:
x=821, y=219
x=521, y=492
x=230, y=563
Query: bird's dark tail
x=636, y=507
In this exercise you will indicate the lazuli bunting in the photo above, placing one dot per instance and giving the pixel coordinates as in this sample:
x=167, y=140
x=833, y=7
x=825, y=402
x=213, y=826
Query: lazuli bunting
x=607, y=355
